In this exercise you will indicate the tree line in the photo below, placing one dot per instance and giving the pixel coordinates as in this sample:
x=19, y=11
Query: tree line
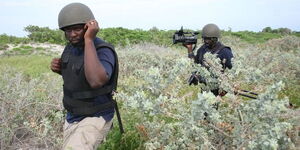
x=120, y=36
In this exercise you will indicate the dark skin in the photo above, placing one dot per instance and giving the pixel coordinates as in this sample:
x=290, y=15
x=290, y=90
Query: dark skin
x=210, y=42
x=78, y=35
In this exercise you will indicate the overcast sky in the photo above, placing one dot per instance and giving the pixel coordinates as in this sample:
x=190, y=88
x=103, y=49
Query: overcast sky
x=237, y=15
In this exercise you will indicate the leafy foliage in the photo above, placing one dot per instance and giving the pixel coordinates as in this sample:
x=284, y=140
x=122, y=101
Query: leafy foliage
x=283, y=31
x=170, y=121
x=121, y=36
x=254, y=37
x=159, y=109
x=5, y=39
x=44, y=34
x=124, y=37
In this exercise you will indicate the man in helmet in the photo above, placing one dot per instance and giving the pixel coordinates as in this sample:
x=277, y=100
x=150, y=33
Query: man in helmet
x=89, y=68
x=210, y=36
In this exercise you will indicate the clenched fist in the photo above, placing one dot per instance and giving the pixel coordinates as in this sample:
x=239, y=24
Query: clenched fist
x=56, y=65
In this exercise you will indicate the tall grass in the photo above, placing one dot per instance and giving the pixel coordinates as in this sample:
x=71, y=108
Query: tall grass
x=29, y=65
x=31, y=110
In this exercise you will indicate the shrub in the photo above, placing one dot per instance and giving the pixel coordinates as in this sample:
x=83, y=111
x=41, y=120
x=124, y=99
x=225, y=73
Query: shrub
x=31, y=111
x=44, y=34
x=6, y=39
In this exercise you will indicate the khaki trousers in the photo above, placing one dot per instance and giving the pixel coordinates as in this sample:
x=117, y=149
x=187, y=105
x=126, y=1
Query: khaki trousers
x=87, y=134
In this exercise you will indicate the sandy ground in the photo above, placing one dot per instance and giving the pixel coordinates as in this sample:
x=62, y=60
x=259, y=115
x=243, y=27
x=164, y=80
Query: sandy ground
x=47, y=48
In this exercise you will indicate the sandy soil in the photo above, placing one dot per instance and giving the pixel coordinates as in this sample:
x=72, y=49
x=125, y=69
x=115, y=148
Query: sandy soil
x=46, y=47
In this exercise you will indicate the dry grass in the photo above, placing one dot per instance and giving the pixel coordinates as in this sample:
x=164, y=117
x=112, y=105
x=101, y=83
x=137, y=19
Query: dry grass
x=31, y=111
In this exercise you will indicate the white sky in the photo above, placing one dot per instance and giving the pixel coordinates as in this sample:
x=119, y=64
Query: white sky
x=239, y=15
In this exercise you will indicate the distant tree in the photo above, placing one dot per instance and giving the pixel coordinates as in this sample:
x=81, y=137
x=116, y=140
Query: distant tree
x=229, y=29
x=5, y=39
x=267, y=29
x=284, y=31
x=44, y=34
x=154, y=29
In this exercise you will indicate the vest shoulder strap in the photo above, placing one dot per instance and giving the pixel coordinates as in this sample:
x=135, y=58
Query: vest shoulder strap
x=221, y=47
x=115, y=75
x=66, y=54
x=102, y=45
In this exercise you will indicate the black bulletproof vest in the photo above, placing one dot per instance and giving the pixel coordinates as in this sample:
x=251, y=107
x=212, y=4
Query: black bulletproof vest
x=78, y=95
x=203, y=49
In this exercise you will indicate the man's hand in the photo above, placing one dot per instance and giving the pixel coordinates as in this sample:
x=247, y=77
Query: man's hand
x=190, y=49
x=222, y=93
x=56, y=65
x=188, y=46
x=95, y=72
x=92, y=29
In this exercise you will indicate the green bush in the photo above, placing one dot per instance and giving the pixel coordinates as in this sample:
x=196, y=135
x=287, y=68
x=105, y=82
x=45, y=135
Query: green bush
x=159, y=109
x=255, y=37
x=283, y=31
x=7, y=39
x=123, y=37
x=44, y=34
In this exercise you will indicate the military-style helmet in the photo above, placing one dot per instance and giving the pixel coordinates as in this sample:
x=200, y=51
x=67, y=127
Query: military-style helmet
x=74, y=13
x=211, y=30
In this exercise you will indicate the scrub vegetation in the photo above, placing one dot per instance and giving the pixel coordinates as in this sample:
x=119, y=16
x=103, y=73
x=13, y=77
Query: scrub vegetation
x=158, y=107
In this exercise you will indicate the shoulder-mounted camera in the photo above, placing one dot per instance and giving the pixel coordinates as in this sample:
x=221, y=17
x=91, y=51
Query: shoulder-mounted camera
x=185, y=37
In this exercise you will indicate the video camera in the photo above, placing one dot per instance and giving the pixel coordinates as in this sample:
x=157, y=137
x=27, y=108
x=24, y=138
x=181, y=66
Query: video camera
x=185, y=37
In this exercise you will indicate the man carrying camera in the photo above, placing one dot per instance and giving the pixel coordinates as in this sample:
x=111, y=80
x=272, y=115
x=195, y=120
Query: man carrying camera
x=210, y=36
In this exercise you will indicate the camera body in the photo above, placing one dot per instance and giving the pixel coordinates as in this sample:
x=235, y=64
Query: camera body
x=185, y=37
